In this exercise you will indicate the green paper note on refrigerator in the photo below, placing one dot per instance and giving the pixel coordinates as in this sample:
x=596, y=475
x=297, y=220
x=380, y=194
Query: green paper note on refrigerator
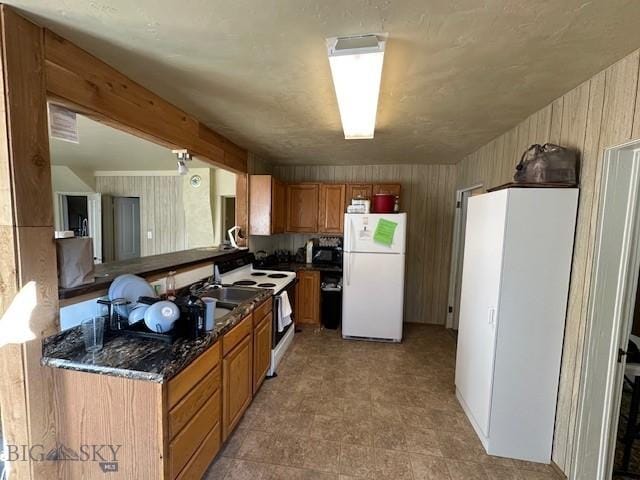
x=385, y=231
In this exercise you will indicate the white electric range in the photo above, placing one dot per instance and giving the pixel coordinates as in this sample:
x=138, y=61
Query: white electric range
x=240, y=272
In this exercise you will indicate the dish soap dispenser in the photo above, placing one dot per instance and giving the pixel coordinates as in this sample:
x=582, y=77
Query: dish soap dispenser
x=170, y=285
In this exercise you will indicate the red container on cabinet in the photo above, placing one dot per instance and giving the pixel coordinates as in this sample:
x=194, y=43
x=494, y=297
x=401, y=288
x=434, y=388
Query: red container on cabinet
x=383, y=203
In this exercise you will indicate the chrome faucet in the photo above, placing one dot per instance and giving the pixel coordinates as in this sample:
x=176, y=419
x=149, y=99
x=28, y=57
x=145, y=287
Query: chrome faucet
x=215, y=279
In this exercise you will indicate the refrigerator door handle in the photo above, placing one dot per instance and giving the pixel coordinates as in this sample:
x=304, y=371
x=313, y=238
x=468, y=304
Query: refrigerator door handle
x=492, y=317
x=352, y=235
x=348, y=268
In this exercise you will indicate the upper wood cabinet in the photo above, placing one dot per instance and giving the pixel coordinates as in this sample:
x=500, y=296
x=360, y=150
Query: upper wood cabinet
x=331, y=210
x=302, y=202
x=392, y=188
x=358, y=190
x=267, y=205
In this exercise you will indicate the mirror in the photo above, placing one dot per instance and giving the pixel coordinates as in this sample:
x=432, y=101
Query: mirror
x=126, y=195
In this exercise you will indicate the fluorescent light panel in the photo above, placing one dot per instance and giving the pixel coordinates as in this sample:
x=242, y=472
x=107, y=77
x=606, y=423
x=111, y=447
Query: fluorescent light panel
x=356, y=67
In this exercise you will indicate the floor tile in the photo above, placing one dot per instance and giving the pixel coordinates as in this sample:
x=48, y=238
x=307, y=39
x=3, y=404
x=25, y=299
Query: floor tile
x=426, y=467
x=357, y=461
x=459, y=470
x=322, y=455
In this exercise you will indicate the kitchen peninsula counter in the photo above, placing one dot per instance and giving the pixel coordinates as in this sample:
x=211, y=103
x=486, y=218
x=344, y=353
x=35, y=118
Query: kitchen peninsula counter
x=105, y=273
x=139, y=358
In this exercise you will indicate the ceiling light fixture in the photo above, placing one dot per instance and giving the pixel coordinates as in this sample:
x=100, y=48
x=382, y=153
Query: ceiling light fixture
x=356, y=67
x=183, y=156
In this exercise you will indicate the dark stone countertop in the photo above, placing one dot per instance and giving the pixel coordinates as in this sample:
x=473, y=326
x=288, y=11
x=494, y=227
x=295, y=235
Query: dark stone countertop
x=295, y=266
x=106, y=272
x=138, y=358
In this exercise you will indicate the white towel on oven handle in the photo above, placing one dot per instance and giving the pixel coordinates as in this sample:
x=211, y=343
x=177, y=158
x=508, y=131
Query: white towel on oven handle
x=284, y=311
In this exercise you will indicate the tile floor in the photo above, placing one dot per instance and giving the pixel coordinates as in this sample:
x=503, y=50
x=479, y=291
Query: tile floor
x=342, y=410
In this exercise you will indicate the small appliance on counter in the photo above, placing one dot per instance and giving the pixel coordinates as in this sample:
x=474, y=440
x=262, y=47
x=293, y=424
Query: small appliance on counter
x=327, y=251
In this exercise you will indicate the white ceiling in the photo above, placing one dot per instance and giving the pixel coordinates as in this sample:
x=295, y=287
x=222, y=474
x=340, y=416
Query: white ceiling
x=104, y=148
x=457, y=72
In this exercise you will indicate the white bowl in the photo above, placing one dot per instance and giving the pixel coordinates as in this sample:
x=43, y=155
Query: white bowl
x=161, y=316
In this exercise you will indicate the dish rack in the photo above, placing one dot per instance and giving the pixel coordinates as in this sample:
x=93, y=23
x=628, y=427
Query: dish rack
x=138, y=329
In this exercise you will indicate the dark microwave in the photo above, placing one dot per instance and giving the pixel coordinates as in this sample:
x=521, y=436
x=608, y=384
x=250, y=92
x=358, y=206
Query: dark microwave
x=327, y=255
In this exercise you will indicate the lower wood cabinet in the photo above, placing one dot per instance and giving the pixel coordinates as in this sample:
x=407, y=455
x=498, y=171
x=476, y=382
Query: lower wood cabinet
x=308, y=297
x=262, y=350
x=169, y=430
x=193, y=418
x=237, y=374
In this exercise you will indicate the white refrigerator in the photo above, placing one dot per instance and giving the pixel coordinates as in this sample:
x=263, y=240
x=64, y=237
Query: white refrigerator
x=373, y=276
x=515, y=284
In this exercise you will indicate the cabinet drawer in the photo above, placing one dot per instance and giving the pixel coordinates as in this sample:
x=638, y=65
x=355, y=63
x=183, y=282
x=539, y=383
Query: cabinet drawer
x=183, y=446
x=182, y=383
x=200, y=461
x=234, y=336
x=180, y=415
x=261, y=311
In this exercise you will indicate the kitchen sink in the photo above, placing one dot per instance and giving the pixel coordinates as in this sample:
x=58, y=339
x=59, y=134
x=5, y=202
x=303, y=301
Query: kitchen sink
x=222, y=311
x=229, y=294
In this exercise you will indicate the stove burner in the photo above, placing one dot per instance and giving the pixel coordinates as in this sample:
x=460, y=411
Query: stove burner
x=258, y=274
x=278, y=275
x=245, y=282
x=267, y=285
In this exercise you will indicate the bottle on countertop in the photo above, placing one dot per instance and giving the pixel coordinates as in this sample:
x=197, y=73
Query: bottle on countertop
x=309, y=255
x=170, y=286
x=396, y=205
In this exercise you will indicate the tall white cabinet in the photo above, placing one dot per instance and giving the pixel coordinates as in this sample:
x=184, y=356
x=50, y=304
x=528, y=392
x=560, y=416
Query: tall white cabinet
x=515, y=284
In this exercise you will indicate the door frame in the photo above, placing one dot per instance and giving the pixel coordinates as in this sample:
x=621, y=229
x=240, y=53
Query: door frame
x=456, y=251
x=614, y=278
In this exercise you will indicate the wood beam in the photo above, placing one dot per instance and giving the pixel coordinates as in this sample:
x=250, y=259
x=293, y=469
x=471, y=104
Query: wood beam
x=88, y=85
x=28, y=274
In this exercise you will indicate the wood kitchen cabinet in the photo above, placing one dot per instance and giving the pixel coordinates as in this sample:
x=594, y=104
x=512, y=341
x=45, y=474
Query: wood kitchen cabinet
x=302, y=207
x=331, y=208
x=308, y=297
x=267, y=205
x=358, y=190
x=167, y=430
x=237, y=374
x=392, y=188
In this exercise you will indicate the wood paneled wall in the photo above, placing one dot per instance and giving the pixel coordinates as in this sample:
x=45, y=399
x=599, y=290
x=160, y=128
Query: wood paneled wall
x=428, y=197
x=600, y=113
x=161, y=209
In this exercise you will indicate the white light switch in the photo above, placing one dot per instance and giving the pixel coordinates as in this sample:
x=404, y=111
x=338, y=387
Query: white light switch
x=149, y=234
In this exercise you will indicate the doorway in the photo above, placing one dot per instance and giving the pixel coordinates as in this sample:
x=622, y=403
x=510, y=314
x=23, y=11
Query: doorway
x=610, y=310
x=457, y=253
x=228, y=204
x=126, y=227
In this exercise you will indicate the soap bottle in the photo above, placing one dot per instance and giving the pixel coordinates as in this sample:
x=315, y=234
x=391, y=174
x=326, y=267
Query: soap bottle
x=170, y=286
